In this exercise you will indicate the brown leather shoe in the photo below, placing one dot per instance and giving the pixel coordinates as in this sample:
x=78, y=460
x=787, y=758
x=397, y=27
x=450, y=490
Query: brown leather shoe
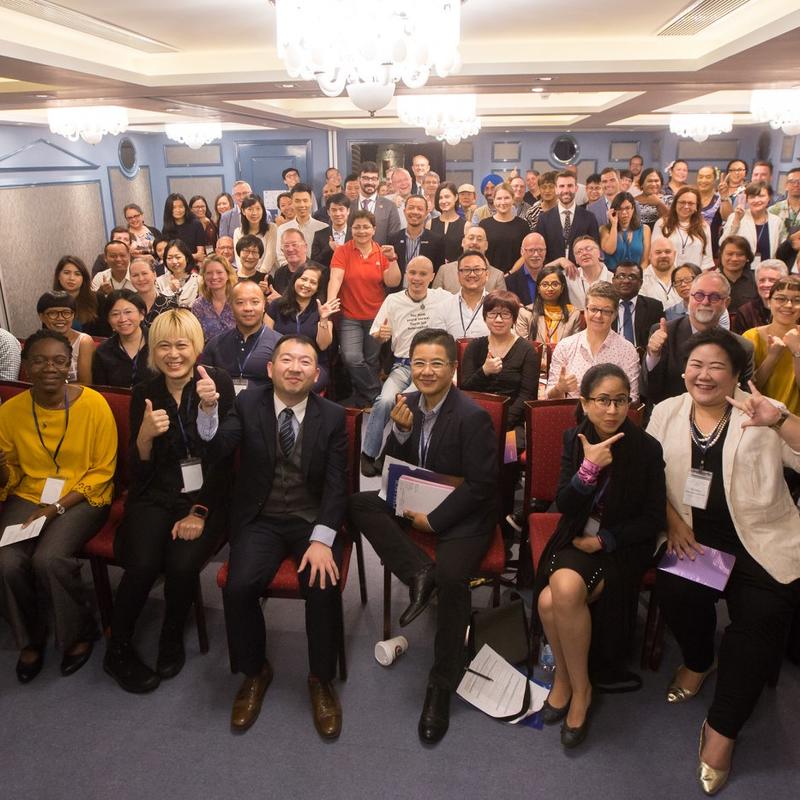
x=247, y=704
x=327, y=708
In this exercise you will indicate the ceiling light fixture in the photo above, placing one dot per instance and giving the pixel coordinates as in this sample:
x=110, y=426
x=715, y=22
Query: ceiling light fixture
x=538, y=89
x=387, y=42
x=90, y=123
x=193, y=134
x=700, y=126
x=449, y=118
x=779, y=107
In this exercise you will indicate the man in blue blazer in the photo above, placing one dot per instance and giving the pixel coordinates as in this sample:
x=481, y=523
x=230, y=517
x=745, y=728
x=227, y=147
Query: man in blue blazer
x=415, y=239
x=387, y=218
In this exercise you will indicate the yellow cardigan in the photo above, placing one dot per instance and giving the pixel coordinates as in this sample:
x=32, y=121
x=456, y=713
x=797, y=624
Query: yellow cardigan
x=87, y=458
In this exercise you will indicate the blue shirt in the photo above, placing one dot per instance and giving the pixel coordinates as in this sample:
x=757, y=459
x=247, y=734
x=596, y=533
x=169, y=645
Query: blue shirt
x=240, y=357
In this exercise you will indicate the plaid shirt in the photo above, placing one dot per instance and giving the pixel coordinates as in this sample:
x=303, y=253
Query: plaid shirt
x=9, y=356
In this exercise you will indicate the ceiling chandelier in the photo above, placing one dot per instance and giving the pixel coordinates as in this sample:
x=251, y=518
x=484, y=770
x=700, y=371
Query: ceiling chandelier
x=349, y=43
x=89, y=124
x=193, y=134
x=779, y=107
x=449, y=118
x=700, y=126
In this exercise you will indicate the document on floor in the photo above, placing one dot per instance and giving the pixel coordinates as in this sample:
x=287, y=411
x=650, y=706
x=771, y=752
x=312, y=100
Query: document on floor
x=16, y=533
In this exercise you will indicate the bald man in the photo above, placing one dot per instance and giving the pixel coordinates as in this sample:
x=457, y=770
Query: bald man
x=523, y=281
x=657, y=279
x=474, y=239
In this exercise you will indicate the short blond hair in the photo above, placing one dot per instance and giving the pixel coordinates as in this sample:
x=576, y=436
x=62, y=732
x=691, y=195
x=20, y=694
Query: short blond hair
x=233, y=279
x=177, y=323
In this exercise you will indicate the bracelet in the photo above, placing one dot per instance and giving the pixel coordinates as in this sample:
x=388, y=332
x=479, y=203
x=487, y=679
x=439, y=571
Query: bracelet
x=588, y=471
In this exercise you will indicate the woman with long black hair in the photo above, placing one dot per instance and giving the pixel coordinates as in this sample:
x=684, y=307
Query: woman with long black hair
x=181, y=223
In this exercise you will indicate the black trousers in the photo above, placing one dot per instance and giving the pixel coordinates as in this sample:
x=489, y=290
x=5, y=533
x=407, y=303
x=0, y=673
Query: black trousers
x=145, y=548
x=457, y=560
x=761, y=611
x=257, y=551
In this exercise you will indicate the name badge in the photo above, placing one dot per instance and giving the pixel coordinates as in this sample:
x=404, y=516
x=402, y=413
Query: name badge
x=592, y=527
x=192, y=474
x=239, y=385
x=52, y=492
x=756, y=261
x=697, y=488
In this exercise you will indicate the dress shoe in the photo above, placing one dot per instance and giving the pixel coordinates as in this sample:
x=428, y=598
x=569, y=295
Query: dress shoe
x=27, y=671
x=326, y=707
x=550, y=714
x=435, y=717
x=248, y=700
x=123, y=664
x=711, y=779
x=371, y=467
x=572, y=737
x=171, y=657
x=421, y=590
x=71, y=664
x=678, y=694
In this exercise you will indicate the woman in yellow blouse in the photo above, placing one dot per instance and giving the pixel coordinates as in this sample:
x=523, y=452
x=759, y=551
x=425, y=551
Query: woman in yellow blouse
x=58, y=452
x=777, y=345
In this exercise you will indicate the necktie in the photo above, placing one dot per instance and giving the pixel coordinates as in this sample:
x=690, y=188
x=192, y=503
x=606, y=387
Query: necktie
x=627, y=322
x=365, y=205
x=567, y=225
x=286, y=431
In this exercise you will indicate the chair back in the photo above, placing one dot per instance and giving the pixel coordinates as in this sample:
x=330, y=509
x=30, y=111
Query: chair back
x=9, y=389
x=461, y=348
x=497, y=407
x=119, y=401
x=353, y=420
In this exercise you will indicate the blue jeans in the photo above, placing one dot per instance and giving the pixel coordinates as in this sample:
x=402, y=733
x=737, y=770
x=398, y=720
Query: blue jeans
x=360, y=353
x=398, y=381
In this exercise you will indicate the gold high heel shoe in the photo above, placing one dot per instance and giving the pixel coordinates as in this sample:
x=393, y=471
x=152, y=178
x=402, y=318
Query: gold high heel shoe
x=679, y=694
x=711, y=779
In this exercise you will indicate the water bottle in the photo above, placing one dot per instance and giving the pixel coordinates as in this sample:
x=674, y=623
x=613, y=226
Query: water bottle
x=547, y=660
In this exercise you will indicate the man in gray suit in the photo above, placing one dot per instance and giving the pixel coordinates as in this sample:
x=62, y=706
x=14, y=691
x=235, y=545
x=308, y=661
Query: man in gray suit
x=609, y=180
x=387, y=220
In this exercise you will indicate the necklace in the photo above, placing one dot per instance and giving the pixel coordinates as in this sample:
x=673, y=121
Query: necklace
x=421, y=301
x=704, y=442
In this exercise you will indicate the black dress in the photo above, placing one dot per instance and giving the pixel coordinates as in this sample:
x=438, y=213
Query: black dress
x=505, y=241
x=452, y=238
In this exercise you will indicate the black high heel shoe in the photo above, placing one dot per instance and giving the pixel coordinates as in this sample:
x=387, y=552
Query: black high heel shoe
x=550, y=714
x=572, y=737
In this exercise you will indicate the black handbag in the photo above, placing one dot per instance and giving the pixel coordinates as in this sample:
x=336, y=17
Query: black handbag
x=504, y=629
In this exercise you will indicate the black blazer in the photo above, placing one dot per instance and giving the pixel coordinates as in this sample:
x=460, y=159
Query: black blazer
x=665, y=380
x=252, y=427
x=647, y=314
x=549, y=225
x=321, y=251
x=463, y=442
x=430, y=245
x=517, y=282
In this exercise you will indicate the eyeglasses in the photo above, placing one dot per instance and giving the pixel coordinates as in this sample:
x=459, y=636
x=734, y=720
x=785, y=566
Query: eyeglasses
x=714, y=297
x=499, y=315
x=132, y=217
x=436, y=365
x=625, y=278
x=471, y=270
x=252, y=251
x=538, y=250
x=604, y=401
x=603, y=312
x=683, y=281
x=59, y=313
x=61, y=362
x=550, y=285
x=738, y=169
x=793, y=181
x=784, y=300
x=687, y=203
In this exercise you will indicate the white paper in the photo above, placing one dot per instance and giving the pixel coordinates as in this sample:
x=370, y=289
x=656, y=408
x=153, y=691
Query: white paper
x=192, y=473
x=387, y=462
x=53, y=487
x=270, y=197
x=502, y=696
x=15, y=533
x=414, y=494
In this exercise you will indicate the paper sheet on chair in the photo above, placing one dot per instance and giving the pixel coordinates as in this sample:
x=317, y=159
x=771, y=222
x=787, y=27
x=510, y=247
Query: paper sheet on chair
x=502, y=697
x=16, y=533
x=414, y=494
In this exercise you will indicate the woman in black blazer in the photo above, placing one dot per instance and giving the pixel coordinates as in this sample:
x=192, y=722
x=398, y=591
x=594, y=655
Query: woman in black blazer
x=612, y=496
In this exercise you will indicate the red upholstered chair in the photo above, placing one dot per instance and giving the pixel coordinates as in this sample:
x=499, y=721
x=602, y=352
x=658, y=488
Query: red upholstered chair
x=461, y=348
x=494, y=562
x=10, y=388
x=285, y=584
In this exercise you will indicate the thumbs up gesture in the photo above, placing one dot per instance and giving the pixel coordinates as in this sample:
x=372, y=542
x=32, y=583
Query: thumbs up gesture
x=105, y=288
x=493, y=364
x=657, y=338
x=385, y=331
x=154, y=422
x=567, y=383
x=206, y=390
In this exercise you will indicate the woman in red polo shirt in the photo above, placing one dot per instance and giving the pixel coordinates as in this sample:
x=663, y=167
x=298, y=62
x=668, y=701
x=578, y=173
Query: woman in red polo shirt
x=360, y=271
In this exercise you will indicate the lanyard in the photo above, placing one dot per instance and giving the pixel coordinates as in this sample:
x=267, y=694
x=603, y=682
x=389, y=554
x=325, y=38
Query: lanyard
x=242, y=364
x=133, y=359
x=54, y=455
x=184, y=435
x=465, y=328
x=423, y=443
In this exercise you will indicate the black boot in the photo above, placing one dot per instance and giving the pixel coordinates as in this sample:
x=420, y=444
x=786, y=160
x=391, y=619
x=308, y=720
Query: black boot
x=435, y=717
x=171, y=655
x=123, y=664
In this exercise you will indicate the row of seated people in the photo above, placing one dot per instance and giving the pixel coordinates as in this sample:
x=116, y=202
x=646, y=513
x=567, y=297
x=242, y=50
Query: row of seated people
x=620, y=490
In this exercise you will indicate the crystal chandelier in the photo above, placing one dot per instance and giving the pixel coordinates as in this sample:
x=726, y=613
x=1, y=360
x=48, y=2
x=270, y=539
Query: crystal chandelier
x=449, y=118
x=700, y=126
x=89, y=124
x=193, y=134
x=779, y=107
x=344, y=43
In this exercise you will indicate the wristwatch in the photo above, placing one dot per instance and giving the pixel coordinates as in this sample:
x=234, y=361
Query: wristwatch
x=59, y=509
x=776, y=426
x=199, y=511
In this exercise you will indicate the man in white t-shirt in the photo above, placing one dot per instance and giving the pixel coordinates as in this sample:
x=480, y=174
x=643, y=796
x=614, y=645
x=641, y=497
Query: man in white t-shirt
x=400, y=317
x=657, y=280
x=462, y=314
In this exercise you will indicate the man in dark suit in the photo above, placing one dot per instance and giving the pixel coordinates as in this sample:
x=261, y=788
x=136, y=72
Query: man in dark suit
x=443, y=430
x=415, y=239
x=664, y=361
x=523, y=282
x=290, y=499
x=637, y=313
x=564, y=223
x=337, y=207
x=387, y=218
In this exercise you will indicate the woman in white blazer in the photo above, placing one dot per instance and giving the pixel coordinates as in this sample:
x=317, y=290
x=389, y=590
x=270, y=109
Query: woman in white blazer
x=764, y=231
x=724, y=451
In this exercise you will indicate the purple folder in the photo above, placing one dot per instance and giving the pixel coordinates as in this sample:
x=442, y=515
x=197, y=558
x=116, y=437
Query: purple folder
x=712, y=568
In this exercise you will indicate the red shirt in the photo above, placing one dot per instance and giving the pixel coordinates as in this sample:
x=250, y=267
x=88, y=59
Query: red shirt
x=363, y=290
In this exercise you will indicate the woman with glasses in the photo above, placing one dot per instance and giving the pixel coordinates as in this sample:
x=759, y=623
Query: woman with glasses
x=777, y=345
x=56, y=310
x=179, y=281
x=612, y=498
x=685, y=227
x=725, y=450
x=732, y=183
x=121, y=360
x=72, y=277
x=58, y=452
x=199, y=208
x=682, y=279
x=143, y=237
x=598, y=344
x=212, y=307
x=254, y=222
x=551, y=317
x=624, y=238
x=142, y=274
x=750, y=220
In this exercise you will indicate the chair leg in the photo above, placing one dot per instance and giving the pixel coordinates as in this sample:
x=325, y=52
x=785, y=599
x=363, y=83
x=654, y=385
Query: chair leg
x=387, y=603
x=200, y=618
x=650, y=626
x=658, y=641
x=102, y=590
x=495, y=592
x=342, y=654
x=362, y=575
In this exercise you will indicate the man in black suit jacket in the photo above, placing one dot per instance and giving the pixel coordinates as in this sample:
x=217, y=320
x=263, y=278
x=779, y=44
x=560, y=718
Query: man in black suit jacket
x=338, y=230
x=645, y=311
x=430, y=244
x=290, y=499
x=440, y=429
x=664, y=361
x=551, y=223
x=523, y=282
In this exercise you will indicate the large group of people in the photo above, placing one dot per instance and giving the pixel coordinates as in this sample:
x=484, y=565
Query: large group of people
x=237, y=332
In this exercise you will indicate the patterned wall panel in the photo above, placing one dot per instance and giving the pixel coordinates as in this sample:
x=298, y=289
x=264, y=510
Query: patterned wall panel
x=74, y=214
x=207, y=185
x=179, y=155
x=133, y=190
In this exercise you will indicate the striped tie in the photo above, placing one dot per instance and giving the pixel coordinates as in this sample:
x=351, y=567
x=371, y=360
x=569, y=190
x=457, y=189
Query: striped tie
x=286, y=431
